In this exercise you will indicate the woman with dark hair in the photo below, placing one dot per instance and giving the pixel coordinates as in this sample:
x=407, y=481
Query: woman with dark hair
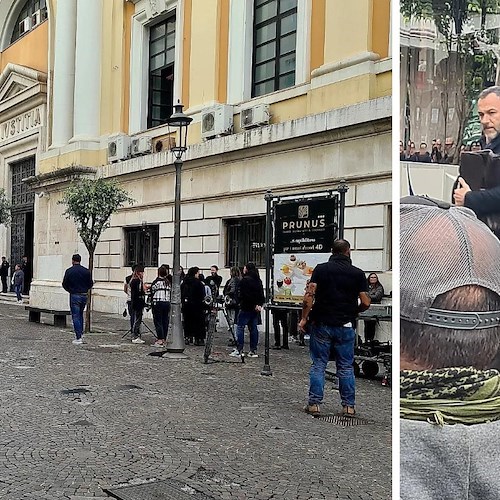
x=193, y=310
x=231, y=298
x=138, y=302
x=375, y=292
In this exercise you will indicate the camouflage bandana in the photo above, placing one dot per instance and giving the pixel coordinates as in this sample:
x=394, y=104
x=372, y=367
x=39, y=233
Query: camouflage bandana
x=450, y=395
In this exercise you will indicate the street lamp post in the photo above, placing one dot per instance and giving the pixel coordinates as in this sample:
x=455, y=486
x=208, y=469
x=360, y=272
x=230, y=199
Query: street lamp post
x=178, y=121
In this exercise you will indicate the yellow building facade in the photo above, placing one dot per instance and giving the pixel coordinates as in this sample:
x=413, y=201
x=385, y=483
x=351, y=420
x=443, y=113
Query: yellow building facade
x=288, y=95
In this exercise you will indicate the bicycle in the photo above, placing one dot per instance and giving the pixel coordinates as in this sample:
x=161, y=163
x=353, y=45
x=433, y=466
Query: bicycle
x=215, y=306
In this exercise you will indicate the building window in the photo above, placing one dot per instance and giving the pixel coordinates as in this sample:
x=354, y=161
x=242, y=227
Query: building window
x=274, y=45
x=141, y=246
x=31, y=15
x=161, y=71
x=246, y=241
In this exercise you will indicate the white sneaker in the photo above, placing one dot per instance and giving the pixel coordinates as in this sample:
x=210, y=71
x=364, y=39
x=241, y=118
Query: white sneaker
x=253, y=354
x=235, y=354
x=138, y=340
x=77, y=341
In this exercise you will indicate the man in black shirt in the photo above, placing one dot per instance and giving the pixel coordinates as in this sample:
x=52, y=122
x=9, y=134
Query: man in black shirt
x=214, y=281
x=77, y=282
x=331, y=306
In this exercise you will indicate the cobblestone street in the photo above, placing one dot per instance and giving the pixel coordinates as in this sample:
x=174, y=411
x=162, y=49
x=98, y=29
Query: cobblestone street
x=77, y=420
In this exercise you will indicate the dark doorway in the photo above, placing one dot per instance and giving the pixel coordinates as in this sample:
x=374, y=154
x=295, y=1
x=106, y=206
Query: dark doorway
x=22, y=226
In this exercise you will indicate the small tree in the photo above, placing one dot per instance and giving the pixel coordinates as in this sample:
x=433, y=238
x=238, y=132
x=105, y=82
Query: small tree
x=90, y=203
x=4, y=208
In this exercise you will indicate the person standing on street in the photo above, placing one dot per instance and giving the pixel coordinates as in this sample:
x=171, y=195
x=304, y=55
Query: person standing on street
x=126, y=289
x=330, y=306
x=77, y=282
x=138, y=301
x=160, y=300
x=28, y=274
x=251, y=299
x=214, y=281
x=4, y=272
x=193, y=307
x=376, y=293
x=231, y=299
x=18, y=282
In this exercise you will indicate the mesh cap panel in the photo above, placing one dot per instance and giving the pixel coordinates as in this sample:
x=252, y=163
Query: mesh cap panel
x=442, y=249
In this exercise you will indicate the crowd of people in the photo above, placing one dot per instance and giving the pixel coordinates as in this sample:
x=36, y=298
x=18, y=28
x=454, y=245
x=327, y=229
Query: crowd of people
x=328, y=315
x=437, y=153
x=243, y=295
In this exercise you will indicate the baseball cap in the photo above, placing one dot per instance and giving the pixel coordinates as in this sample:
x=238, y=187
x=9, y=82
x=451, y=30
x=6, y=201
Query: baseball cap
x=443, y=247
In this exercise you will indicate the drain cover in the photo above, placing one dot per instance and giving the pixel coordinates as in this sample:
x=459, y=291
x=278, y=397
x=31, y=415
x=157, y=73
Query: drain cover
x=343, y=421
x=158, y=490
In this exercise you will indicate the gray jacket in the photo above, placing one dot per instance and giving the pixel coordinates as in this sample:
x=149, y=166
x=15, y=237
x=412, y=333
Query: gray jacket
x=454, y=462
x=18, y=278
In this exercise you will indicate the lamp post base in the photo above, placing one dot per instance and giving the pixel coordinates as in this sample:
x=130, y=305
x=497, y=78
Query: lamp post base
x=266, y=371
x=175, y=355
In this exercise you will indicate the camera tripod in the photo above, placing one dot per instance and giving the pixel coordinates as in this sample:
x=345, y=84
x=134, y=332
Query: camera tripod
x=215, y=307
x=141, y=322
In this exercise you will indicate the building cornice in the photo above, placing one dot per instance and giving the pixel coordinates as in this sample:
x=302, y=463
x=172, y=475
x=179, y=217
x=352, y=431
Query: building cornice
x=363, y=119
x=54, y=179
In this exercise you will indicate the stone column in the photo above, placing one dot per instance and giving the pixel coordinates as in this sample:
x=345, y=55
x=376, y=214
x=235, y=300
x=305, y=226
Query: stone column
x=64, y=73
x=88, y=71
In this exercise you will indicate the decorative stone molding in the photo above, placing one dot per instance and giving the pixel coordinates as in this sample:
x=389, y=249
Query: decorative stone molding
x=53, y=180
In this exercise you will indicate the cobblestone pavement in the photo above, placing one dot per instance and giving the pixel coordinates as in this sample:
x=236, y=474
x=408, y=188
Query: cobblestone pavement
x=76, y=420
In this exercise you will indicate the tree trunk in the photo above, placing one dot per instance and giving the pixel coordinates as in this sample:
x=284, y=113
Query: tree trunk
x=89, y=296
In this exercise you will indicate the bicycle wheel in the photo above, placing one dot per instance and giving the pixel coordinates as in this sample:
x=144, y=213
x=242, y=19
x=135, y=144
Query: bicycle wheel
x=212, y=323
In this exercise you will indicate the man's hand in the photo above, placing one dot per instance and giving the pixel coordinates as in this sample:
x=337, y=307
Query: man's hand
x=460, y=192
x=258, y=308
x=302, y=325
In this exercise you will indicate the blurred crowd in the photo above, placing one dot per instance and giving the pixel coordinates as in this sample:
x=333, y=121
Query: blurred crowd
x=437, y=153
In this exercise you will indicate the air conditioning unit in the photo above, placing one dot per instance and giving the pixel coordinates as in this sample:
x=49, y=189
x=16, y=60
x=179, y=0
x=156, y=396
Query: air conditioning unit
x=38, y=16
x=140, y=146
x=24, y=25
x=216, y=120
x=255, y=116
x=118, y=148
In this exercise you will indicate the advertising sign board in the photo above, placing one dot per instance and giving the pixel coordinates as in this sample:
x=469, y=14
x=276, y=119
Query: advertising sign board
x=303, y=234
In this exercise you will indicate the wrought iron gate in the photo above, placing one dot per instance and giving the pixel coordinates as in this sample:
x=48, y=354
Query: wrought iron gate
x=21, y=239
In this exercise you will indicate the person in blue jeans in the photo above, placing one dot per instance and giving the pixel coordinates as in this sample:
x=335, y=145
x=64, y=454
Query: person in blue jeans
x=251, y=298
x=77, y=282
x=331, y=306
x=18, y=282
